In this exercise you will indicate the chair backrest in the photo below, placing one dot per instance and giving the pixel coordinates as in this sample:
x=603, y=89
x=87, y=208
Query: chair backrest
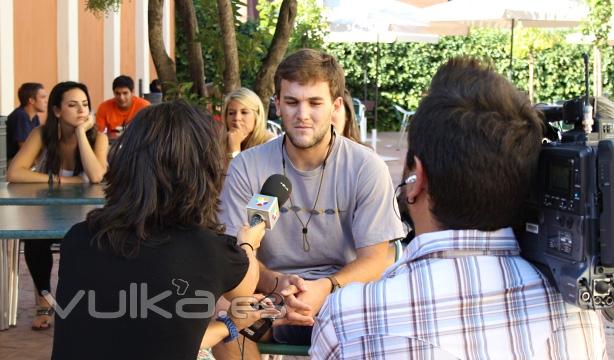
x=361, y=118
x=274, y=127
x=359, y=109
x=153, y=98
x=402, y=111
x=398, y=249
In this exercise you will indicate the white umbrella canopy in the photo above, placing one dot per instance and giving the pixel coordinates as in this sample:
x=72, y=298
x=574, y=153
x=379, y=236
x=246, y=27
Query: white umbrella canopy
x=373, y=16
x=383, y=37
x=501, y=13
x=506, y=14
x=375, y=21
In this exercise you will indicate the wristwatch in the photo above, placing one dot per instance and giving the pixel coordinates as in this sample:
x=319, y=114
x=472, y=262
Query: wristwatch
x=232, y=328
x=334, y=284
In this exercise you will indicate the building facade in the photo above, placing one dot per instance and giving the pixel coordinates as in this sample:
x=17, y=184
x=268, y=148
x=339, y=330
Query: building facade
x=49, y=41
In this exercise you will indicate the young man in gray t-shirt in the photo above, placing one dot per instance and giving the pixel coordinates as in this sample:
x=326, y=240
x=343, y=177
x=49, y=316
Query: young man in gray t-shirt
x=337, y=224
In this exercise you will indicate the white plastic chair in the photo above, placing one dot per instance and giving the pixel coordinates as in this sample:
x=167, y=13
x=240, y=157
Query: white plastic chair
x=404, y=115
x=274, y=128
x=361, y=117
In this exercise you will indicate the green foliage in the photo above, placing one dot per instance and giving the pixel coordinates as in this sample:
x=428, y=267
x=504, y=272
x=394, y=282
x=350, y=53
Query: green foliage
x=253, y=38
x=598, y=22
x=529, y=41
x=101, y=7
x=407, y=68
x=309, y=27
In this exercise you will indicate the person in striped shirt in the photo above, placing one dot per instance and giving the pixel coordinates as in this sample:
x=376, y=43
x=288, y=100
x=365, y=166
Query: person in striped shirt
x=461, y=289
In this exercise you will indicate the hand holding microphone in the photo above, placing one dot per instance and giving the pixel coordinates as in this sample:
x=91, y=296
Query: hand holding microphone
x=251, y=235
x=264, y=207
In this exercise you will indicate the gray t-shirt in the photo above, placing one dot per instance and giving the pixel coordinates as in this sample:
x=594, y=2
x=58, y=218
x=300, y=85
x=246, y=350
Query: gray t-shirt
x=354, y=209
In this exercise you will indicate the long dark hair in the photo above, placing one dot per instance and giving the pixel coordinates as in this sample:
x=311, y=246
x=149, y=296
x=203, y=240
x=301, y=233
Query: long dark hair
x=165, y=171
x=50, y=130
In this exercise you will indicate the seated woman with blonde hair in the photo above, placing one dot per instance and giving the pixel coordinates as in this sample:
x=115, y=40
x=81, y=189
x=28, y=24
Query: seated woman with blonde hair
x=245, y=120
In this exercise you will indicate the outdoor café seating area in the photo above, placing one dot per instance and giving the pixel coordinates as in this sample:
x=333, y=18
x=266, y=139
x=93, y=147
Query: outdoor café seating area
x=292, y=180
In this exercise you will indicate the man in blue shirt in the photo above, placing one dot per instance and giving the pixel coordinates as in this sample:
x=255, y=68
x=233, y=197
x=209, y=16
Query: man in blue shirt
x=32, y=100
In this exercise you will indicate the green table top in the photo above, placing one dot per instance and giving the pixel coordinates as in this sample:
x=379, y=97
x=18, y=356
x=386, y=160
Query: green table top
x=43, y=194
x=40, y=222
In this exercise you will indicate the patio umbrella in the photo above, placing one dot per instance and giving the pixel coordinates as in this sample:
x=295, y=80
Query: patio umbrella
x=507, y=13
x=374, y=22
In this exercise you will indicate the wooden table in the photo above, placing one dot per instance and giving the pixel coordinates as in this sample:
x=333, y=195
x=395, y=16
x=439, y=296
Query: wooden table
x=36, y=211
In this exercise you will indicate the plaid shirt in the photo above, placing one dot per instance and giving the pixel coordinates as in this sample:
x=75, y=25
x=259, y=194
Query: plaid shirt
x=457, y=295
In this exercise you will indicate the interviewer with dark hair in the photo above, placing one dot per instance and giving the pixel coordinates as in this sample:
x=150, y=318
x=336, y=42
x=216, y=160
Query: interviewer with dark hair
x=139, y=279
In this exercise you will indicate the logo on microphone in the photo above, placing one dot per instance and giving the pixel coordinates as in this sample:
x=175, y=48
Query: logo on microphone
x=261, y=201
x=284, y=186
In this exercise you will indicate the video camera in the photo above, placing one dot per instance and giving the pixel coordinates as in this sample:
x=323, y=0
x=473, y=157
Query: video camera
x=567, y=228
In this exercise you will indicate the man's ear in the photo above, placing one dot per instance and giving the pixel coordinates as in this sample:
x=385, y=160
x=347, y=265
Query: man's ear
x=421, y=184
x=337, y=104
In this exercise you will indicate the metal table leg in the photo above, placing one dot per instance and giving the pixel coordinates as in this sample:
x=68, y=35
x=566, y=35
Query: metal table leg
x=9, y=282
x=13, y=280
x=4, y=286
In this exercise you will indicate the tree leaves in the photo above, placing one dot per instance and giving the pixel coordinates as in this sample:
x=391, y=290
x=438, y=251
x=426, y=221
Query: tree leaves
x=407, y=68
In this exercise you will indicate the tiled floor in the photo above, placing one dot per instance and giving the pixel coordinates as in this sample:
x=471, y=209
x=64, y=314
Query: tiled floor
x=21, y=343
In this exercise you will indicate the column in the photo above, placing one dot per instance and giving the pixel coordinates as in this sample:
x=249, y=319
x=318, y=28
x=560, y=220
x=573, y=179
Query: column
x=112, y=48
x=68, y=40
x=142, y=44
x=7, y=80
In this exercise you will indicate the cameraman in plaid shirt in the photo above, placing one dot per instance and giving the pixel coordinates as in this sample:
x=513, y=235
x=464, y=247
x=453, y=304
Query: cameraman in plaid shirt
x=461, y=289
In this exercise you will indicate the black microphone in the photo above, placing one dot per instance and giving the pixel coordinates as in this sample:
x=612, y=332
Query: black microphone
x=265, y=205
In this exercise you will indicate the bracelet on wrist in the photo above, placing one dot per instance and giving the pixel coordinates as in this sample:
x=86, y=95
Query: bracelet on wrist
x=334, y=284
x=248, y=244
x=232, y=155
x=232, y=328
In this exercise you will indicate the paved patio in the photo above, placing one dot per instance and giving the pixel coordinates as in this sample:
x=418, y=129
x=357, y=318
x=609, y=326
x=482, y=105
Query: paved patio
x=21, y=342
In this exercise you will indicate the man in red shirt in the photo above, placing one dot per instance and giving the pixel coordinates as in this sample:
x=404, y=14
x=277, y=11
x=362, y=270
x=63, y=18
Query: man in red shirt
x=114, y=114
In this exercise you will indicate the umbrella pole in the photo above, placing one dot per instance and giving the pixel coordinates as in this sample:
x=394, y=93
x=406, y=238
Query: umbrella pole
x=511, y=70
x=376, y=82
x=365, y=82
